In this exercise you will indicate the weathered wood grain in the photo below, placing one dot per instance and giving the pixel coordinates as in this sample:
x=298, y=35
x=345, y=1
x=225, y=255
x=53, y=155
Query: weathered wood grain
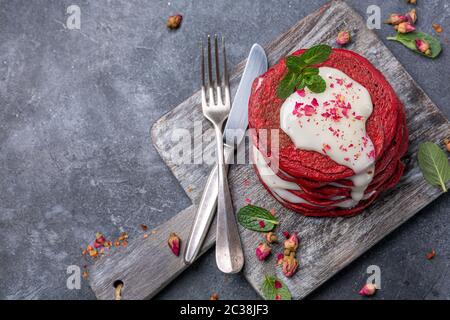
x=327, y=244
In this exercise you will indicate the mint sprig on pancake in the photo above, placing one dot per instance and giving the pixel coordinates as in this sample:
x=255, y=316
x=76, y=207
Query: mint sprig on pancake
x=302, y=73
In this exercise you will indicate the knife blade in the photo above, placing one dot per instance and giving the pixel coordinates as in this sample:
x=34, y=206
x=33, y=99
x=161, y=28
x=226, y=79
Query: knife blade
x=235, y=128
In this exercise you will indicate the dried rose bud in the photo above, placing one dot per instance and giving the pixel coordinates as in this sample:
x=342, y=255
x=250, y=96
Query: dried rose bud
x=343, y=38
x=368, y=290
x=214, y=296
x=174, y=22
x=271, y=237
x=174, y=244
x=447, y=144
x=405, y=27
x=423, y=46
x=411, y=1
x=286, y=234
x=291, y=244
x=290, y=265
x=437, y=27
x=412, y=16
x=395, y=19
x=262, y=251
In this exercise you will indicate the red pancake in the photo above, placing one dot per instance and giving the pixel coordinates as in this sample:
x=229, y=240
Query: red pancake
x=313, y=171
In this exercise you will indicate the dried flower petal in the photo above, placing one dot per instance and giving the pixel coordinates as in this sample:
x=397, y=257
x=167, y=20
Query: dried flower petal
x=437, y=27
x=423, y=46
x=412, y=16
x=290, y=265
x=174, y=22
x=85, y=275
x=99, y=240
x=214, y=296
x=368, y=290
x=262, y=251
x=447, y=144
x=411, y=1
x=278, y=284
x=395, y=19
x=343, y=38
x=145, y=236
x=431, y=254
x=174, y=243
x=286, y=234
x=280, y=258
x=143, y=227
x=291, y=244
x=271, y=237
x=405, y=27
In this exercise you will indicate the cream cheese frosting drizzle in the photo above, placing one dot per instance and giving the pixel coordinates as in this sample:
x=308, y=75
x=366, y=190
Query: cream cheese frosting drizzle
x=333, y=123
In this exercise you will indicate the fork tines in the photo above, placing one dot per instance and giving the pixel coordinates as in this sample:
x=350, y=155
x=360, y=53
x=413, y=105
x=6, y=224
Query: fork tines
x=218, y=83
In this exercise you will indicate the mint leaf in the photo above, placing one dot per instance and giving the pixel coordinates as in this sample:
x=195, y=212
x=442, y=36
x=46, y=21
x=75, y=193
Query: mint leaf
x=316, y=54
x=287, y=85
x=274, y=289
x=316, y=84
x=295, y=64
x=434, y=164
x=300, y=73
x=256, y=218
x=409, y=41
x=310, y=71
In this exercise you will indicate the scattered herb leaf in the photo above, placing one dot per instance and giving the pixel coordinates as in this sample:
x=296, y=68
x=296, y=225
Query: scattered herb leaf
x=275, y=289
x=256, y=218
x=409, y=41
x=434, y=164
x=301, y=74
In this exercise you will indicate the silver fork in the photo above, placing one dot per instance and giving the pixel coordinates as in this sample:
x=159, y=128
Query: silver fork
x=229, y=255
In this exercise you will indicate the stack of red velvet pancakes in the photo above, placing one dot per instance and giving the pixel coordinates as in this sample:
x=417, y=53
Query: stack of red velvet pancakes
x=337, y=150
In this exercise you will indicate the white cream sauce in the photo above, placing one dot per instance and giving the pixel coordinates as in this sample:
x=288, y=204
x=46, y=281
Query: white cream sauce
x=333, y=123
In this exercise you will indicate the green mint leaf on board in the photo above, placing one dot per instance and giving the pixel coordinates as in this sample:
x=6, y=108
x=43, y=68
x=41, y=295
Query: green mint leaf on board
x=300, y=73
x=316, y=54
x=316, y=84
x=409, y=41
x=256, y=218
x=434, y=164
x=287, y=85
x=275, y=289
x=295, y=64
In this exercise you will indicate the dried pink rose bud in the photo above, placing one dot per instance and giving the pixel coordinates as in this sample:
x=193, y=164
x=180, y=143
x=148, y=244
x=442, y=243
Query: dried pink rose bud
x=368, y=290
x=174, y=244
x=290, y=265
x=271, y=237
x=262, y=251
x=395, y=19
x=291, y=244
x=412, y=16
x=343, y=38
x=423, y=46
x=405, y=27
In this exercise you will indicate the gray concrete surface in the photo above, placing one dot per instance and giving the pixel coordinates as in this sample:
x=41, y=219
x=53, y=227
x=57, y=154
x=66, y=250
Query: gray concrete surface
x=76, y=157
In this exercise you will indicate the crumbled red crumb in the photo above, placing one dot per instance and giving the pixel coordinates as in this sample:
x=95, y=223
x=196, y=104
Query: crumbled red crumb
x=286, y=234
x=278, y=284
x=301, y=92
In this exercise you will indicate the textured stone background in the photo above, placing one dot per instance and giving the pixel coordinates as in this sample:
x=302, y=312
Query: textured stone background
x=76, y=157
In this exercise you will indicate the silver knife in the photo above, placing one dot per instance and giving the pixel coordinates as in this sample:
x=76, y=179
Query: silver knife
x=234, y=129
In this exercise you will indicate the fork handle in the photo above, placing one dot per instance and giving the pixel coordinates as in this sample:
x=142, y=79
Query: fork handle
x=206, y=210
x=229, y=255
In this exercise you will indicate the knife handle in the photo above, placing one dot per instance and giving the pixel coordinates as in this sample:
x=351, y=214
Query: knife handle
x=205, y=210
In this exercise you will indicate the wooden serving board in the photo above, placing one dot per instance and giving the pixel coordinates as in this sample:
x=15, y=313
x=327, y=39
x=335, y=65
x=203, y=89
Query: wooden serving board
x=327, y=244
